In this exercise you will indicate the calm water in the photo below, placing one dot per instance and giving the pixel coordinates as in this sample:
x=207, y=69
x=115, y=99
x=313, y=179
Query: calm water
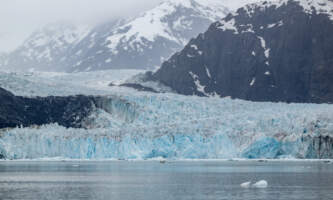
x=172, y=180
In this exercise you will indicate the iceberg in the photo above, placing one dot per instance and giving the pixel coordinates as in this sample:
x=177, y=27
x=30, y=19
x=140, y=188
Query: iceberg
x=246, y=184
x=260, y=184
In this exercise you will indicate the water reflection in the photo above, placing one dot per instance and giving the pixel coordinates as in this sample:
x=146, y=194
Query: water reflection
x=172, y=180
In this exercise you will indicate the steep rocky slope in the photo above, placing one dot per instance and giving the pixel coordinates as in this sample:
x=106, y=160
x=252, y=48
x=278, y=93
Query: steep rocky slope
x=269, y=51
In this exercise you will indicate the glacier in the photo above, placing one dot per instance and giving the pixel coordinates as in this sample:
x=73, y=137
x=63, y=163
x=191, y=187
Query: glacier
x=142, y=125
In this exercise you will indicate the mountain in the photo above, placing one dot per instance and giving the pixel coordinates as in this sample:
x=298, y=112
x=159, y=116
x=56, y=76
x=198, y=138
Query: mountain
x=268, y=51
x=145, y=41
x=141, y=42
x=46, y=49
x=88, y=50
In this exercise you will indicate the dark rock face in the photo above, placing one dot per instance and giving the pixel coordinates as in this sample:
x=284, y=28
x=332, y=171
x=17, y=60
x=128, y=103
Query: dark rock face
x=66, y=111
x=320, y=147
x=264, y=52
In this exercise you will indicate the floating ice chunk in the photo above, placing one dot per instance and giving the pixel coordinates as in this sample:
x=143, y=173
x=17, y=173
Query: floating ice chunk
x=260, y=184
x=159, y=158
x=246, y=184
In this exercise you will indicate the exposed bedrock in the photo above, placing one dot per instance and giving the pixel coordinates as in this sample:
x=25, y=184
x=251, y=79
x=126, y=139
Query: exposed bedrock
x=265, y=52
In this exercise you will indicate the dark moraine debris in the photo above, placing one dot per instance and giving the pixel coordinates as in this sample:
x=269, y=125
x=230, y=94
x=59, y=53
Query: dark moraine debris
x=68, y=111
x=138, y=87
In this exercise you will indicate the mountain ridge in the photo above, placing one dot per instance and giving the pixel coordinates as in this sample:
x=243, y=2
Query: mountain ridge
x=147, y=40
x=260, y=53
x=143, y=42
x=46, y=48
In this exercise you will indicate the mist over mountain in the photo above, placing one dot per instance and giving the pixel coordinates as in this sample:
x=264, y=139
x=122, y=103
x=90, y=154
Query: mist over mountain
x=149, y=39
x=139, y=42
x=46, y=49
x=19, y=19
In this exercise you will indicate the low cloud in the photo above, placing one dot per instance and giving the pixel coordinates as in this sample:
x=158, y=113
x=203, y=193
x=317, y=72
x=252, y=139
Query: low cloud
x=19, y=18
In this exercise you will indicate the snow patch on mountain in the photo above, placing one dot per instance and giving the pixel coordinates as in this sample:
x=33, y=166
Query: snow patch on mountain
x=309, y=6
x=153, y=24
x=147, y=27
x=280, y=23
x=196, y=80
x=228, y=25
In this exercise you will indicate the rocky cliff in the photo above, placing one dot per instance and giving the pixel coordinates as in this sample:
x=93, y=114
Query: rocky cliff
x=269, y=51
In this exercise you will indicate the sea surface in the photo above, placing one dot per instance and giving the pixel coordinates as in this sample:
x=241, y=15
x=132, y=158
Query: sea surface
x=154, y=180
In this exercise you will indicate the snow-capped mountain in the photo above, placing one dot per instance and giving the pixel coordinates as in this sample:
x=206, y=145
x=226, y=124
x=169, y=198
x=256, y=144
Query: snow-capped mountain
x=268, y=51
x=140, y=42
x=46, y=49
x=149, y=39
x=87, y=50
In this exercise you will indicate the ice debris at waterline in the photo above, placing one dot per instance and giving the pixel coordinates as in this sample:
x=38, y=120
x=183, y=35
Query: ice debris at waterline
x=246, y=184
x=260, y=184
x=177, y=127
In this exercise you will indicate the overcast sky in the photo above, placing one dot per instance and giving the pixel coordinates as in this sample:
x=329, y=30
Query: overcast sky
x=18, y=18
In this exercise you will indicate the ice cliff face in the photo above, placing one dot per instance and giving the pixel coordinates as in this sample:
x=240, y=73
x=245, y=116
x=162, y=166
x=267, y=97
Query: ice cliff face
x=179, y=127
x=267, y=51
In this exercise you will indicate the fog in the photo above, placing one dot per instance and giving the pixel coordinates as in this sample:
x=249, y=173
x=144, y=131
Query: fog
x=18, y=18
